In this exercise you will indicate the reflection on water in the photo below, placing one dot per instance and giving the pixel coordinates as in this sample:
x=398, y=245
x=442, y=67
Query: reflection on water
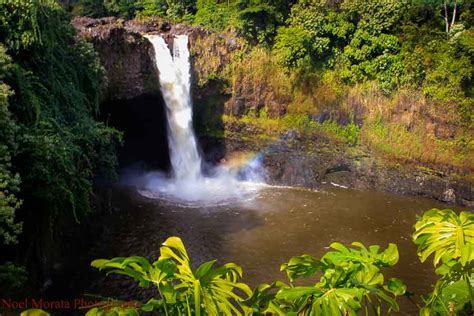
x=263, y=233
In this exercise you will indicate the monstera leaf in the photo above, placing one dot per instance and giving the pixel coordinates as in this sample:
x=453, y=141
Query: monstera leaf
x=364, y=256
x=302, y=267
x=446, y=235
x=450, y=239
x=344, y=301
x=138, y=268
x=350, y=279
x=216, y=290
x=262, y=299
x=450, y=298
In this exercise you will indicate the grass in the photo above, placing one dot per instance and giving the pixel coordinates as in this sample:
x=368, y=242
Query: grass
x=394, y=141
x=301, y=123
x=390, y=140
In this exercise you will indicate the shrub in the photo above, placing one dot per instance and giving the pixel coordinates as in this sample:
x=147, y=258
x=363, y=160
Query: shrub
x=350, y=280
x=183, y=290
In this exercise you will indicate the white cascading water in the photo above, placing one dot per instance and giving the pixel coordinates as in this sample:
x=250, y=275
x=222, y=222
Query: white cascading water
x=175, y=81
x=188, y=184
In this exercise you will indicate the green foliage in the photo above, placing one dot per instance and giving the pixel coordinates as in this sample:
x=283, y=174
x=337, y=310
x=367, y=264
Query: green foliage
x=257, y=20
x=293, y=47
x=151, y=8
x=183, y=290
x=350, y=279
x=176, y=10
x=353, y=35
x=11, y=276
x=450, y=239
x=450, y=75
x=213, y=15
x=9, y=181
x=92, y=8
x=49, y=98
x=122, y=8
x=19, y=26
x=349, y=133
x=57, y=89
x=181, y=10
x=125, y=9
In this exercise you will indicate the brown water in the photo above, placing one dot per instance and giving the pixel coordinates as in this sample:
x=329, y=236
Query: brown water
x=265, y=232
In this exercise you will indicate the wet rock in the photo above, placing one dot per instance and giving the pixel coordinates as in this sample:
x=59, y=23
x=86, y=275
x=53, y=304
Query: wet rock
x=290, y=135
x=126, y=56
x=449, y=196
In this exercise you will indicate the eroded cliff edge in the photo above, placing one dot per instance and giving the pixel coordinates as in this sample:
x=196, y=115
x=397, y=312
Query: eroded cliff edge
x=290, y=157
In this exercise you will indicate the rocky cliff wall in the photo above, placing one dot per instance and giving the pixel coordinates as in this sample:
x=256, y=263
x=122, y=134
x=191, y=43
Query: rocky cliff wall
x=128, y=57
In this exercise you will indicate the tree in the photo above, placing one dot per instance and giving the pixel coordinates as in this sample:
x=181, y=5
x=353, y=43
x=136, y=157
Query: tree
x=49, y=133
x=151, y=8
x=293, y=46
x=9, y=181
x=448, y=10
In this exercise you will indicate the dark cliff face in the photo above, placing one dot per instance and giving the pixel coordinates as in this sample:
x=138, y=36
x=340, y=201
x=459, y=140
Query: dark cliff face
x=128, y=57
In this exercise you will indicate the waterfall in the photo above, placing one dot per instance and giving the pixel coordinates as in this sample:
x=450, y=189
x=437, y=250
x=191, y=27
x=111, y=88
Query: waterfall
x=175, y=81
x=188, y=185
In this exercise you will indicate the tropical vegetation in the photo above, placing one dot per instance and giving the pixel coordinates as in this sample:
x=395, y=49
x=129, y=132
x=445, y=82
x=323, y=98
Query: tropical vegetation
x=51, y=142
x=449, y=238
x=390, y=74
x=349, y=280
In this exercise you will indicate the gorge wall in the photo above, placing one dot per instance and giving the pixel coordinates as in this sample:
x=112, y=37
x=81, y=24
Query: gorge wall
x=292, y=158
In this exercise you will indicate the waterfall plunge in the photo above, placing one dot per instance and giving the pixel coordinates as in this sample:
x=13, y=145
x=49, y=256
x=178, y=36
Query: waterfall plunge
x=188, y=185
x=175, y=87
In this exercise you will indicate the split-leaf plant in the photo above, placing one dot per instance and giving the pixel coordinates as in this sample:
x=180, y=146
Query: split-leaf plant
x=183, y=290
x=350, y=281
x=450, y=239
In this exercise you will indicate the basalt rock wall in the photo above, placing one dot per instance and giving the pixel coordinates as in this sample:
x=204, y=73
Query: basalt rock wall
x=128, y=57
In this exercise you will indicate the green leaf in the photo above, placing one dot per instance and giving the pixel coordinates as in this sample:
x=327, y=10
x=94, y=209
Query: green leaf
x=396, y=286
x=364, y=256
x=337, y=302
x=448, y=296
x=445, y=235
x=204, y=268
x=302, y=266
x=297, y=292
x=34, y=312
x=369, y=276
